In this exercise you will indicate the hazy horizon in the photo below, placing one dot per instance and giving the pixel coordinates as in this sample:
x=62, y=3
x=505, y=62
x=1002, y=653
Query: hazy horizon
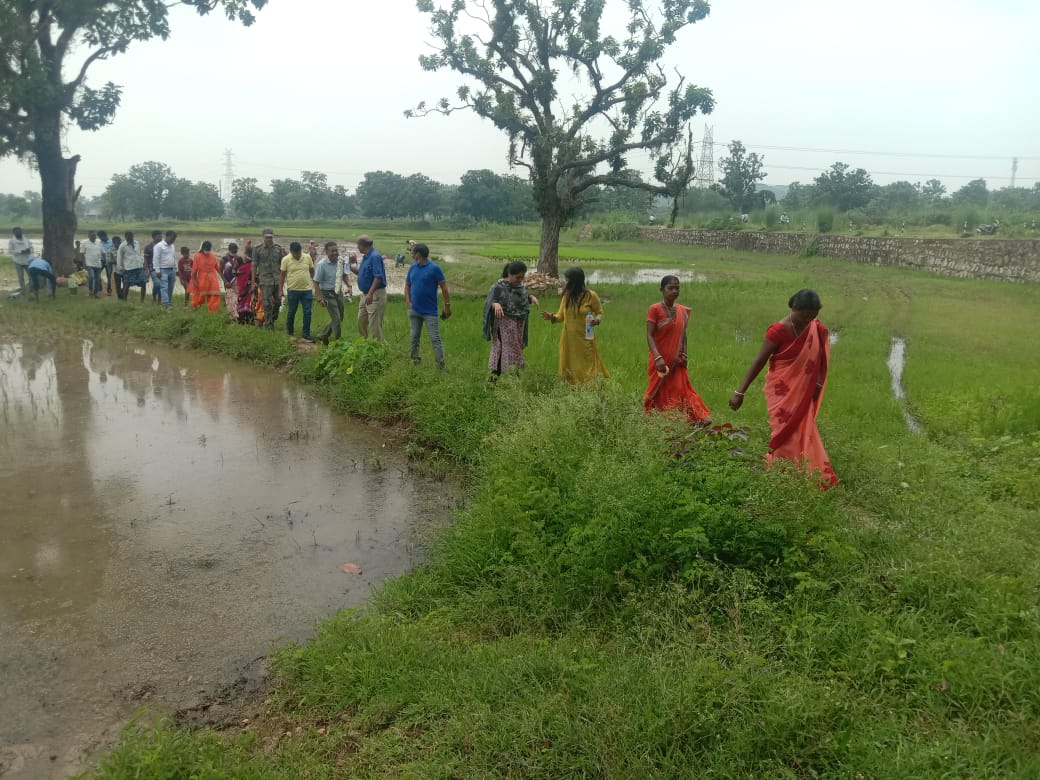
x=908, y=91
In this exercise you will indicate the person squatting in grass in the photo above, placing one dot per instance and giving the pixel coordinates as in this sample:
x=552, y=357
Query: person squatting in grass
x=40, y=269
x=205, y=278
x=327, y=291
x=297, y=279
x=797, y=349
x=668, y=379
x=420, y=296
x=580, y=312
x=506, y=310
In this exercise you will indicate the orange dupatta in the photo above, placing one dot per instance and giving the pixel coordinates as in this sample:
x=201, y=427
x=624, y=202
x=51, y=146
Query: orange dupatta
x=794, y=372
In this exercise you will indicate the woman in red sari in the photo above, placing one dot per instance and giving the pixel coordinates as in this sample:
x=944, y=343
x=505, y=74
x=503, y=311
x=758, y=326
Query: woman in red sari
x=668, y=381
x=205, y=278
x=798, y=351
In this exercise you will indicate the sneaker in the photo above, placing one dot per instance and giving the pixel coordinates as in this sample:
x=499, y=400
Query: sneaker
x=308, y=338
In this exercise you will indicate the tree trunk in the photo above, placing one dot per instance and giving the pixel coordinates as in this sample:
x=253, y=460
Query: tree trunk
x=58, y=187
x=549, y=248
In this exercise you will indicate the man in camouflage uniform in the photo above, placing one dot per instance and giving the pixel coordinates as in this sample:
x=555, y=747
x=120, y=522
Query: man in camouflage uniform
x=267, y=269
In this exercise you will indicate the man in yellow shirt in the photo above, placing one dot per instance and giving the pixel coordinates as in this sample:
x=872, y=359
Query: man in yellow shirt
x=297, y=282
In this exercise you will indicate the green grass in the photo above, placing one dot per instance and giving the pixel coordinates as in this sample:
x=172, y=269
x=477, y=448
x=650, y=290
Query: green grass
x=619, y=598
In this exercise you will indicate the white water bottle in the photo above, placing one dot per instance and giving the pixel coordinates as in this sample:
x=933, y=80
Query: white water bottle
x=590, y=331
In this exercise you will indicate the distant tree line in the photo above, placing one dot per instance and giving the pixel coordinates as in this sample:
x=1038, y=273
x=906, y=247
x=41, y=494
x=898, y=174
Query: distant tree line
x=152, y=190
x=849, y=190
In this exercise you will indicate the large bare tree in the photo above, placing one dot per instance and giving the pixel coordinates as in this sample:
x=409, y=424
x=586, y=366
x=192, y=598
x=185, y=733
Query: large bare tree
x=520, y=57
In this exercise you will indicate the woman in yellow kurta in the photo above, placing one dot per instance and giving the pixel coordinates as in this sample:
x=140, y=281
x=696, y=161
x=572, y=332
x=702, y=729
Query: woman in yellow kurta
x=580, y=312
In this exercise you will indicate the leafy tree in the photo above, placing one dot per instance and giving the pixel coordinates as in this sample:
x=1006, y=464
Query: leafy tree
x=342, y=203
x=514, y=59
x=606, y=199
x=702, y=199
x=933, y=192
x=288, y=198
x=899, y=197
x=1016, y=198
x=419, y=196
x=486, y=195
x=15, y=206
x=317, y=202
x=248, y=200
x=483, y=195
x=380, y=194
x=798, y=196
x=741, y=173
x=193, y=200
x=843, y=188
x=143, y=189
x=974, y=193
x=38, y=99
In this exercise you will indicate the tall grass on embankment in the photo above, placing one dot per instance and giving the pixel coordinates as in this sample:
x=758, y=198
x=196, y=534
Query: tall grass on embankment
x=623, y=598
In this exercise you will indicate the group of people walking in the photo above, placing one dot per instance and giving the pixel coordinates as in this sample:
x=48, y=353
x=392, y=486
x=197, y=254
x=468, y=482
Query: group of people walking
x=797, y=349
x=255, y=284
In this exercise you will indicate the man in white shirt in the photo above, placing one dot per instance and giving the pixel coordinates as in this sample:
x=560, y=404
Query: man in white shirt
x=20, y=248
x=164, y=262
x=93, y=253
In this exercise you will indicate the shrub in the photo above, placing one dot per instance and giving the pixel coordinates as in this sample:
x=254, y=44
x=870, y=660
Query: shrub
x=825, y=220
x=362, y=357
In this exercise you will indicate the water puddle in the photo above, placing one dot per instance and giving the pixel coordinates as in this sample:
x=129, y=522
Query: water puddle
x=642, y=276
x=167, y=519
x=896, y=362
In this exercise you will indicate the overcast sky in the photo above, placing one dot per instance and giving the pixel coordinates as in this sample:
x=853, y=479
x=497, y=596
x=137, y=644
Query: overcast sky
x=908, y=89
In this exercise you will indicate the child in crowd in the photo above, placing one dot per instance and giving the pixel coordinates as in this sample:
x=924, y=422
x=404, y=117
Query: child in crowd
x=184, y=273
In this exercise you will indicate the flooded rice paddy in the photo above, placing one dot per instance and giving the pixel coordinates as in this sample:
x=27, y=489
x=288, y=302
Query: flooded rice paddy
x=643, y=276
x=167, y=519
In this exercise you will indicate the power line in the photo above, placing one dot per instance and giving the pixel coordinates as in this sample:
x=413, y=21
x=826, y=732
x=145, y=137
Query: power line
x=880, y=154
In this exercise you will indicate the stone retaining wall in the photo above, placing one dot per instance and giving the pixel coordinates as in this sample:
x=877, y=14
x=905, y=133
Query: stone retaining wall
x=1000, y=259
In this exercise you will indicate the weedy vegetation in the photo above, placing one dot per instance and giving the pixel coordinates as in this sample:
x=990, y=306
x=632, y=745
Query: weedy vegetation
x=621, y=596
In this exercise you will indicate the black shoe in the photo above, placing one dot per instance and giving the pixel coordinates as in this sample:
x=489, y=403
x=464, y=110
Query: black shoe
x=308, y=338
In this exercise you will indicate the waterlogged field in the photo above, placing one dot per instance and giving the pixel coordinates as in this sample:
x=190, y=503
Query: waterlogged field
x=624, y=598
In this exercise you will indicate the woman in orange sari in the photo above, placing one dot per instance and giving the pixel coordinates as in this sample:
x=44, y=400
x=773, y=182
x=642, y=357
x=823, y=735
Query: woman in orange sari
x=205, y=278
x=668, y=381
x=798, y=351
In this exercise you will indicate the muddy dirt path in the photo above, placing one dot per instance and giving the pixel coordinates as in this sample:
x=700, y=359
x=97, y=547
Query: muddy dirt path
x=167, y=519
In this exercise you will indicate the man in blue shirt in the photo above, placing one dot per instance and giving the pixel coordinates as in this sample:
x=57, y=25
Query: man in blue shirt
x=41, y=269
x=420, y=296
x=371, y=276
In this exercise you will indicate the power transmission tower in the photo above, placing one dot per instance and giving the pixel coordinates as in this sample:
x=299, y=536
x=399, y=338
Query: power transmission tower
x=1014, y=171
x=704, y=176
x=229, y=175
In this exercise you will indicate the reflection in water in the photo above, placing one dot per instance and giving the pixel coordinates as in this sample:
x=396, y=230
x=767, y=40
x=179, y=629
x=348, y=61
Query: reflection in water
x=166, y=520
x=643, y=276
